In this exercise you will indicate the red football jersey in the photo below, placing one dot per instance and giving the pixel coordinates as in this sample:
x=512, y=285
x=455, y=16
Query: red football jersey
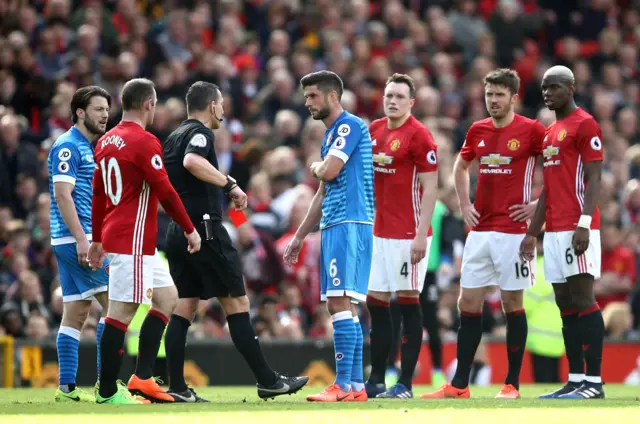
x=569, y=143
x=128, y=181
x=399, y=155
x=506, y=163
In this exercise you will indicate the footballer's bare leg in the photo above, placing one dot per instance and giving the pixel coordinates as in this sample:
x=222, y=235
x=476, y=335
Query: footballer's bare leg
x=470, y=305
x=163, y=303
x=572, y=340
x=513, y=307
x=381, y=337
x=408, y=302
x=270, y=383
x=591, y=331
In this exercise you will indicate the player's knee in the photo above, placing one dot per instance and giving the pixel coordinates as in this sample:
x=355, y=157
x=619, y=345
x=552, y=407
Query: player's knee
x=512, y=301
x=234, y=305
x=381, y=296
x=408, y=293
x=583, y=301
x=470, y=302
x=187, y=308
x=338, y=304
x=165, y=300
x=75, y=314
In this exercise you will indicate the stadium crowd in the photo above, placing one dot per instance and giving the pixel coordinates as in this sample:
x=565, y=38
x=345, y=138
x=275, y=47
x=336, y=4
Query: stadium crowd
x=257, y=51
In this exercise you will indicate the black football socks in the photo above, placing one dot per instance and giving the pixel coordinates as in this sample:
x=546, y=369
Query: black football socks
x=380, y=338
x=517, y=330
x=175, y=342
x=469, y=336
x=150, y=338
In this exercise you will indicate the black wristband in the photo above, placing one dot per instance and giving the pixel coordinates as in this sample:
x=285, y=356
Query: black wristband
x=231, y=184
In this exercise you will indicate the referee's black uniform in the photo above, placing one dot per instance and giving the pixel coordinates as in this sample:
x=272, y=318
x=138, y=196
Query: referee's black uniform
x=216, y=270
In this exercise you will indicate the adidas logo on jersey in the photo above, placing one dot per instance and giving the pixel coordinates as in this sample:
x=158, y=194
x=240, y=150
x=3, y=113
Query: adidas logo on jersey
x=481, y=144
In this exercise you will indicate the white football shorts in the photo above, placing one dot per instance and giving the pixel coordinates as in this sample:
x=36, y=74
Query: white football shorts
x=560, y=260
x=132, y=278
x=391, y=268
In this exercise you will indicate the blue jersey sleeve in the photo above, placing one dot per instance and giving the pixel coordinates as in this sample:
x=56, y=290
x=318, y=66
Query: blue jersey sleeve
x=65, y=162
x=348, y=137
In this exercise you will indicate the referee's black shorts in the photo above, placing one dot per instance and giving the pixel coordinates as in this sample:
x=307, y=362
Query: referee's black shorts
x=214, y=271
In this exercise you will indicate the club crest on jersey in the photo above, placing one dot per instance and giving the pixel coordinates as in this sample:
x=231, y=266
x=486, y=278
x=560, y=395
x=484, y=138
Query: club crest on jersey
x=329, y=137
x=562, y=134
x=513, y=144
x=395, y=145
x=156, y=162
x=149, y=293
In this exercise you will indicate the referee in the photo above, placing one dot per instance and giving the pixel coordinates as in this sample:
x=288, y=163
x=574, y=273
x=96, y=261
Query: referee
x=215, y=271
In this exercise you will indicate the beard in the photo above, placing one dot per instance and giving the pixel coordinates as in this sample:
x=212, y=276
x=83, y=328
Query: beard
x=93, y=127
x=322, y=113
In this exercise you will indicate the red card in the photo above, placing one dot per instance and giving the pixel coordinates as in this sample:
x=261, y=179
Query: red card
x=237, y=217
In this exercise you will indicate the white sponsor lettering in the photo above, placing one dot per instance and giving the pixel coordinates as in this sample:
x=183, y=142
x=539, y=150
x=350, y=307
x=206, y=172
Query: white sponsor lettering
x=115, y=140
x=384, y=170
x=495, y=171
x=551, y=163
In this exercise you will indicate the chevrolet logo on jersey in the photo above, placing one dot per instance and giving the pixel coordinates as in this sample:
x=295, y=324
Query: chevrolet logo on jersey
x=494, y=160
x=382, y=159
x=550, y=151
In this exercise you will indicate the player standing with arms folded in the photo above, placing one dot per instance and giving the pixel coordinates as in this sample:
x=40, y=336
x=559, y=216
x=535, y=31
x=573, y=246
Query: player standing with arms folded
x=215, y=271
x=71, y=169
x=506, y=146
x=343, y=205
x=406, y=188
x=572, y=251
x=129, y=180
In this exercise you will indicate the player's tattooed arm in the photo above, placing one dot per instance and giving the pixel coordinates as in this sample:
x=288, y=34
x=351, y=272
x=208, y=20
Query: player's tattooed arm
x=461, y=180
x=593, y=174
x=328, y=169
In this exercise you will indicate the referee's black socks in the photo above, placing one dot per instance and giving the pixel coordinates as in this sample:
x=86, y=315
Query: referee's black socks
x=175, y=341
x=245, y=340
x=150, y=338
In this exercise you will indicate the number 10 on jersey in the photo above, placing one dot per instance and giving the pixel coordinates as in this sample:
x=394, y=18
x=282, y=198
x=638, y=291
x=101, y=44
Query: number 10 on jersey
x=112, y=169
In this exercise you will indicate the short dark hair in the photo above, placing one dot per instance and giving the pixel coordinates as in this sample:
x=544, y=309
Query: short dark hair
x=135, y=92
x=505, y=77
x=200, y=95
x=326, y=81
x=82, y=97
x=403, y=79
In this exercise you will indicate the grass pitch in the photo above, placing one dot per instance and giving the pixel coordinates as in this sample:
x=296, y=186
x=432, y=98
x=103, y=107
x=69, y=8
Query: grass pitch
x=241, y=404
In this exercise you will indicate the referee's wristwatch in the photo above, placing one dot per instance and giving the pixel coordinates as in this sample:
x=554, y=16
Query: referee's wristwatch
x=231, y=184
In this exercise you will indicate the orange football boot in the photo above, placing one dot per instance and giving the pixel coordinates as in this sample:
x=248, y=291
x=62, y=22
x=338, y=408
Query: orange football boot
x=360, y=396
x=508, y=391
x=332, y=393
x=447, y=391
x=148, y=389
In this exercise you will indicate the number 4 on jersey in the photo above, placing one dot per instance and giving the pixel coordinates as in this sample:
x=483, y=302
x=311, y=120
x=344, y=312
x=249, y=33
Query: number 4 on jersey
x=404, y=271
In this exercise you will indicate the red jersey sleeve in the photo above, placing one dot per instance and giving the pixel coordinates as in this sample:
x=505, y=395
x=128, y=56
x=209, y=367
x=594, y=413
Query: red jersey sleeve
x=98, y=206
x=423, y=151
x=537, y=139
x=468, y=151
x=153, y=171
x=589, y=141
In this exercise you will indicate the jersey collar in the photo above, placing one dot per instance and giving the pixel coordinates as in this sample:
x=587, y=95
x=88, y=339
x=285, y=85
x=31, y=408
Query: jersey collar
x=75, y=132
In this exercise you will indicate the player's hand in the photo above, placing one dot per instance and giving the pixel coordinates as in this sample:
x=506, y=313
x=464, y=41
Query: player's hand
x=194, y=241
x=580, y=240
x=418, y=249
x=314, y=166
x=239, y=198
x=528, y=248
x=470, y=215
x=95, y=256
x=292, y=250
x=522, y=213
x=82, y=248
